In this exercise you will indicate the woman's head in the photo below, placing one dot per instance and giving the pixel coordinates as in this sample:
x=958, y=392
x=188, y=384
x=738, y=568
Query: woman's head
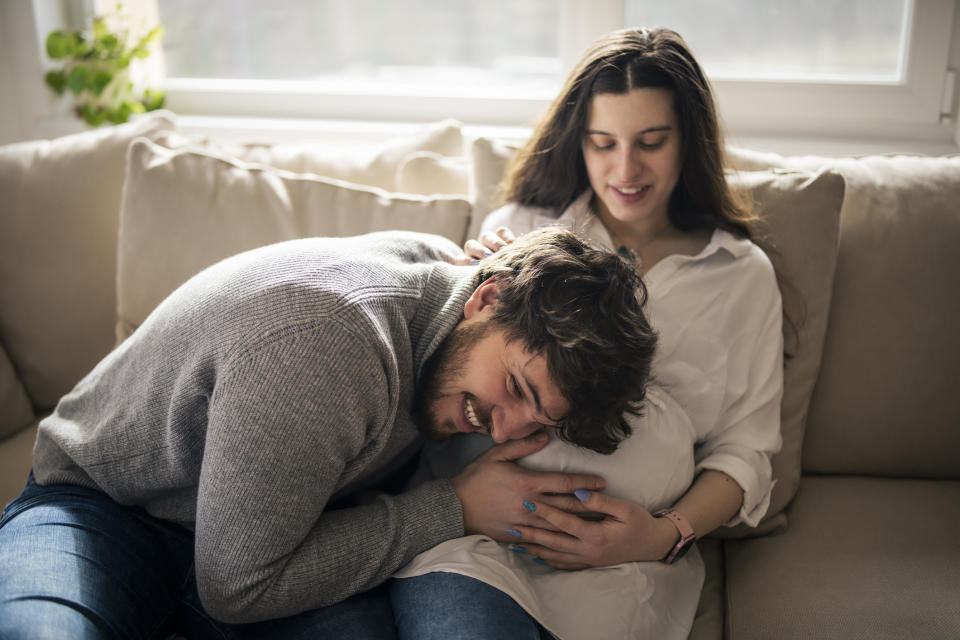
x=551, y=170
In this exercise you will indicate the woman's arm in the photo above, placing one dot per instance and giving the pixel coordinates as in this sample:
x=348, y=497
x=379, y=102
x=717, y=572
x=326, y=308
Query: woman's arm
x=628, y=533
x=713, y=499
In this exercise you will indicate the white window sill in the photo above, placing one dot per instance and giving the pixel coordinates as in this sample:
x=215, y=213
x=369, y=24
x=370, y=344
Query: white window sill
x=365, y=132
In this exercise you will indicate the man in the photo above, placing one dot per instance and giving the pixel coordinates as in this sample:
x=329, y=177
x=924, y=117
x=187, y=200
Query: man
x=203, y=476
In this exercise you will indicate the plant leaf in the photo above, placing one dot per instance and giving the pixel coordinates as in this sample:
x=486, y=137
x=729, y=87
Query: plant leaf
x=81, y=48
x=56, y=80
x=152, y=35
x=101, y=78
x=100, y=29
x=60, y=44
x=93, y=116
x=109, y=42
x=153, y=99
x=78, y=78
x=119, y=114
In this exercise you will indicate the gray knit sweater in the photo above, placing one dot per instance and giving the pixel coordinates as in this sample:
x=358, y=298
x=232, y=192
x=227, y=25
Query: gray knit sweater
x=260, y=389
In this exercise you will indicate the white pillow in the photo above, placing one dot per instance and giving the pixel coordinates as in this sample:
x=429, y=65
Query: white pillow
x=372, y=165
x=184, y=210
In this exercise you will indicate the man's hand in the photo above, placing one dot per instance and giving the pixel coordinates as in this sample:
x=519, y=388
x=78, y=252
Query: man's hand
x=493, y=490
x=627, y=533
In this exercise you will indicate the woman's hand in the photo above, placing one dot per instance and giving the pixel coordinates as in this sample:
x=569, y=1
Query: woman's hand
x=488, y=243
x=627, y=533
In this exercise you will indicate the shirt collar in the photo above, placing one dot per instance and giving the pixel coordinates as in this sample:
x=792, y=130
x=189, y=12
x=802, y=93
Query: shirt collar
x=579, y=217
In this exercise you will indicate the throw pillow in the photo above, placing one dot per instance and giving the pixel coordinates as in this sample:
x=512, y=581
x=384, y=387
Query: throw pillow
x=185, y=209
x=426, y=172
x=375, y=165
x=800, y=226
x=490, y=161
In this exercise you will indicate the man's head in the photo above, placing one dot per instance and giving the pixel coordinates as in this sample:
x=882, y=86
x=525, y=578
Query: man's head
x=554, y=335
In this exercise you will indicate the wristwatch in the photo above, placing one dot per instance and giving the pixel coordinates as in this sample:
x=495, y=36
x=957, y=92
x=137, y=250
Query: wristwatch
x=687, y=536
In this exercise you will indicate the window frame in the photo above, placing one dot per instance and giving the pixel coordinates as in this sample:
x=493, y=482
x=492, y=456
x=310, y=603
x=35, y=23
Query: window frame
x=748, y=107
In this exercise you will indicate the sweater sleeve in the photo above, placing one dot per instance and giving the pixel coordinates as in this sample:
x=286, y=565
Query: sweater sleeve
x=288, y=425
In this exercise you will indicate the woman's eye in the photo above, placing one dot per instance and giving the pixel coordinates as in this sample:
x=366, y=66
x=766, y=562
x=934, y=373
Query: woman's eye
x=515, y=387
x=651, y=146
x=603, y=147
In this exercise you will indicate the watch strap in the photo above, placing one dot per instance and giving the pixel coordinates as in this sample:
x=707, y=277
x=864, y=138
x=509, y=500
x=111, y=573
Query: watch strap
x=687, y=535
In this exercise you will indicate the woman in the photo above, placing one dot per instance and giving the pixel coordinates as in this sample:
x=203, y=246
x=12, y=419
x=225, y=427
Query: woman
x=630, y=154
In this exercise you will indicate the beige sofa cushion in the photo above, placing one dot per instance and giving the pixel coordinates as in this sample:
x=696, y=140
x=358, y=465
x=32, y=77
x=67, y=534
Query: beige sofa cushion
x=490, y=159
x=864, y=558
x=184, y=209
x=426, y=172
x=15, y=410
x=708, y=622
x=16, y=457
x=375, y=164
x=800, y=233
x=887, y=401
x=58, y=247
x=801, y=212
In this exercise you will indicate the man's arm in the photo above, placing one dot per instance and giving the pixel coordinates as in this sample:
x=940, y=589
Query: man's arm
x=290, y=425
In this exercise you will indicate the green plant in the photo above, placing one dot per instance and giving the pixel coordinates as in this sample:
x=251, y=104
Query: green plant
x=96, y=69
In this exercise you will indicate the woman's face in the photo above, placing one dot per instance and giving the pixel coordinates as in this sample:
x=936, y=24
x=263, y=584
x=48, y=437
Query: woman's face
x=632, y=153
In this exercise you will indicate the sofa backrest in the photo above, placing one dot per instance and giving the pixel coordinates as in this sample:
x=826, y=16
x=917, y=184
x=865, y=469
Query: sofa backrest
x=59, y=219
x=58, y=239
x=887, y=402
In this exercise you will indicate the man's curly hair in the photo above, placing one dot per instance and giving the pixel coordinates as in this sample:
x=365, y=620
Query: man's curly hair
x=582, y=308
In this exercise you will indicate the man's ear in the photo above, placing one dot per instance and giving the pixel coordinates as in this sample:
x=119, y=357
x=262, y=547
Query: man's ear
x=485, y=296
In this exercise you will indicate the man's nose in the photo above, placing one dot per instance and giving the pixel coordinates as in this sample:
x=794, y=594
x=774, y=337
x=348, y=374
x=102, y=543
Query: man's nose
x=511, y=424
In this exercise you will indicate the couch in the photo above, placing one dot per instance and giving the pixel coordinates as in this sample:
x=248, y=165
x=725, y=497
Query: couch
x=860, y=541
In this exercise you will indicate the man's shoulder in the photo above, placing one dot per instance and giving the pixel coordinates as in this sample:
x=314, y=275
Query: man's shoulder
x=411, y=246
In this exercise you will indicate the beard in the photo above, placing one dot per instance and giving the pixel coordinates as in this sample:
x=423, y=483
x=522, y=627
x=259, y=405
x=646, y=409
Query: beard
x=441, y=372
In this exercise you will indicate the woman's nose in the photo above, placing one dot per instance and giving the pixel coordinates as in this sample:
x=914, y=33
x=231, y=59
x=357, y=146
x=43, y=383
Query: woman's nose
x=629, y=163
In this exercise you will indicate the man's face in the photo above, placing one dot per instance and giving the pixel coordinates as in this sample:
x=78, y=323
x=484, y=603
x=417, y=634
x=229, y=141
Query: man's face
x=479, y=382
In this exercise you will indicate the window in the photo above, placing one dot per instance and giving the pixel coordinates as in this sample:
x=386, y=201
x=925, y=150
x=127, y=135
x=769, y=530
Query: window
x=850, y=41
x=856, y=68
x=512, y=42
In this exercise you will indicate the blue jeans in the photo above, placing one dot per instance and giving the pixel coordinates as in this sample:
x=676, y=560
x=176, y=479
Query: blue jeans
x=75, y=564
x=450, y=606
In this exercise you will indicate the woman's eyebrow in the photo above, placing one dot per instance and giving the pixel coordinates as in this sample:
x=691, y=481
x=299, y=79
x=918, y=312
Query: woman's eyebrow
x=663, y=127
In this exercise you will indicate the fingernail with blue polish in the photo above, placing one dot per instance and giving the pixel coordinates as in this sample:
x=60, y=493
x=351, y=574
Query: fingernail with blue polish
x=487, y=253
x=582, y=495
x=514, y=533
x=474, y=262
x=517, y=549
x=540, y=560
x=529, y=506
